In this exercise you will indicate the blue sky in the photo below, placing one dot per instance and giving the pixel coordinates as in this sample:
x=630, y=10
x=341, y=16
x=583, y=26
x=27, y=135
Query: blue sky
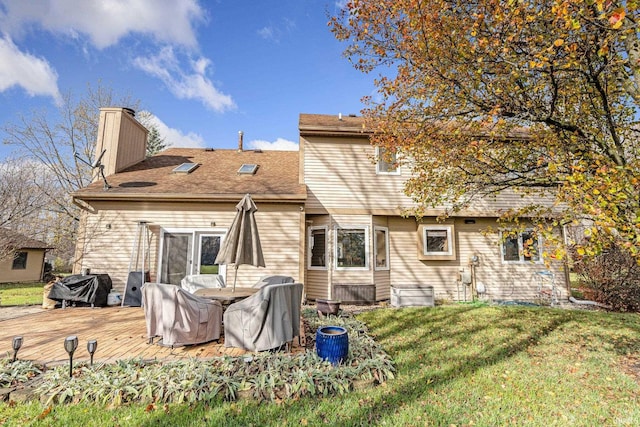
x=205, y=69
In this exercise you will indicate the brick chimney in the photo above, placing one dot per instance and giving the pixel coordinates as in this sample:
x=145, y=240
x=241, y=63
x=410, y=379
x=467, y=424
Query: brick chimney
x=123, y=138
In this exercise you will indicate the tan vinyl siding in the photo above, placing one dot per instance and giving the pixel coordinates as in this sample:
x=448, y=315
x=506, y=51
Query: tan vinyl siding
x=340, y=175
x=317, y=284
x=406, y=269
x=502, y=281
x=383, y=285
x=112, y=233
x=123, y=137
x=32, y=272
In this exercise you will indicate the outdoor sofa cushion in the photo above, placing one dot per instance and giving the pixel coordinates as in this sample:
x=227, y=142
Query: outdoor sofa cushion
x=265, y=320
x=179, y=317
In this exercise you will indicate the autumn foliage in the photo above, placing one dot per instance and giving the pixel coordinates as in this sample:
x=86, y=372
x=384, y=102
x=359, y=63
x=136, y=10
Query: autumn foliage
x=537, y=97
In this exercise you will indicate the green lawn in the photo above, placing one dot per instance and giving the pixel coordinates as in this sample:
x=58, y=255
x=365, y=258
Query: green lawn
x=462, y=365
x=21, y=293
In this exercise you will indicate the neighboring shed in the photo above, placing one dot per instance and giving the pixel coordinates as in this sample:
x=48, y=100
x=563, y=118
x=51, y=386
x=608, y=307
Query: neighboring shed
x=25, y=257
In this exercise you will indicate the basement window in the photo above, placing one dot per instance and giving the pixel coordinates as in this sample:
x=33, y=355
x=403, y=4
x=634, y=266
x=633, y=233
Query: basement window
x=185, y=168
x=248, y=169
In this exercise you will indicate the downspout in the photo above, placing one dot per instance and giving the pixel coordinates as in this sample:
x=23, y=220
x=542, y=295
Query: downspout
x=332, y=251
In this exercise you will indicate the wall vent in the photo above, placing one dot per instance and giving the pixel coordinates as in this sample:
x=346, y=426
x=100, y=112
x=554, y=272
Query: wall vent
x=352, y=293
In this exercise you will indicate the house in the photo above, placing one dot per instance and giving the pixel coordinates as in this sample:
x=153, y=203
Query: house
x=26, y=259
x=329, y=215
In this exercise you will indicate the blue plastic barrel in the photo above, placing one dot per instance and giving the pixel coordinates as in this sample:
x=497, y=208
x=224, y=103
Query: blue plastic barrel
x=332, y=343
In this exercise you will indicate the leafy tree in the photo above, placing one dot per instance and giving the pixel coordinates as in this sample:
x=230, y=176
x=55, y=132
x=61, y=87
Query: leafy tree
x=49, y=141
x=537, y=97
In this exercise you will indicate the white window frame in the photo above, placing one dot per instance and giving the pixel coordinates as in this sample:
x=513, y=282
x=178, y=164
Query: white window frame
x=366, y=247
x=449, y=254
x=386, y=247
x=222, y=232
x=310, y=247
x=379, y=156
x=450, y=247
x=521, y=259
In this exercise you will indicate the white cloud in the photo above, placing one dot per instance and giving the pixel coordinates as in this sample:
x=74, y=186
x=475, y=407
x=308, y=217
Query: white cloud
x=275, y=33
x=106, y=22
x=268, y=33
x=191, y=84
x=29, y=72
x=280, y=144
x=175, y=137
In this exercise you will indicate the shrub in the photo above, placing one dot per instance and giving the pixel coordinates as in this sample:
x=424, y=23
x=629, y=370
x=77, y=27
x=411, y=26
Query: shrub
x=264, y=376
x=611, y=278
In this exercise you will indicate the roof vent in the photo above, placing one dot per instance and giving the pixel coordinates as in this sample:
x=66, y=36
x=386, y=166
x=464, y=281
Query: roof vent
x=248, y=169
x=185, y=168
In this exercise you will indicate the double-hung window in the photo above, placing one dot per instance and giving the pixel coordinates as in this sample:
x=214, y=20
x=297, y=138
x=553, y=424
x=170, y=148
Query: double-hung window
x=386, y=162
x=521, y=247
x=352, y=249
x=318, y=248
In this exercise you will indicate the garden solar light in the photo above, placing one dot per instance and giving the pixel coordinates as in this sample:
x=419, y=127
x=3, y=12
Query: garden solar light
x=70, y=345
x=92, y=346
x=17, y=343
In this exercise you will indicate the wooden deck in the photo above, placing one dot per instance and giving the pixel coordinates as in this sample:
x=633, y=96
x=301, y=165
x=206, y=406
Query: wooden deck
x=120, y=332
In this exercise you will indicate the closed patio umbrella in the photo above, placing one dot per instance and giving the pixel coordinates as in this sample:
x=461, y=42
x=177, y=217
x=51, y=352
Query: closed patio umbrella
x=242, y=244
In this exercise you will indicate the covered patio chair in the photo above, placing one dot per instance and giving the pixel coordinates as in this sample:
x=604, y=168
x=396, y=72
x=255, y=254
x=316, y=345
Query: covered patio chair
x=192, y=282
x=179, y=317
x=272, y=280
x=266, y=320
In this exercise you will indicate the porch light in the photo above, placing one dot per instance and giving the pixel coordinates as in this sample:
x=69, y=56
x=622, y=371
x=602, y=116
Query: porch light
x=70, y=345
x=17, y=343
x=92, y=346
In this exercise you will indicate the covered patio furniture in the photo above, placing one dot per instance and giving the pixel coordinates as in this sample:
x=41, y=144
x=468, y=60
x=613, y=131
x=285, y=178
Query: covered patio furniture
x=272, y=280
x=193, y=282
x=266, y=320
x=179, y=317
x=87, y=289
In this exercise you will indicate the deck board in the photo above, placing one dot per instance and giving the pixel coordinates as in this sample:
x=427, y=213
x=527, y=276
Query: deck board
x=120, y=332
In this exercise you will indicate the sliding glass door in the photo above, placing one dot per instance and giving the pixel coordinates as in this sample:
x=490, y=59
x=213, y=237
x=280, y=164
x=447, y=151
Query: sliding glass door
x=186, y=252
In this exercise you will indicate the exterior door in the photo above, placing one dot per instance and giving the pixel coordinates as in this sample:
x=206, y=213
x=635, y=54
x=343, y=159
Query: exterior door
x=189, y=252
x=176, y=257
x=208, y=248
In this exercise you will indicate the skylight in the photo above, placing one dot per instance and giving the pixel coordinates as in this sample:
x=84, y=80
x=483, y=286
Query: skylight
x=185, y=168
x=248, y=169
